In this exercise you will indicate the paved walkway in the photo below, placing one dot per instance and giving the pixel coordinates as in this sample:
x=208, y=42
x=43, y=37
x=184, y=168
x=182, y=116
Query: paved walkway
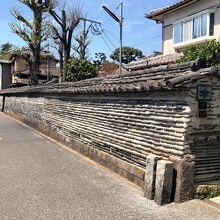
x=216, y=200
x=40, y=179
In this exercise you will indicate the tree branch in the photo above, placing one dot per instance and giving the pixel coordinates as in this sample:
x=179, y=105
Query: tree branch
x=57, y=34
x=26, y=2
x=22, y=32
x=16, y=14
x=56, y=17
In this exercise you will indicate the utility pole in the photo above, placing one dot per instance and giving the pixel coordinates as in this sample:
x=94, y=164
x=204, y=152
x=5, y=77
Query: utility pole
x=83, y=53
x=84, y=39
x=120, y=22
x=121, y=28
x=48, y=62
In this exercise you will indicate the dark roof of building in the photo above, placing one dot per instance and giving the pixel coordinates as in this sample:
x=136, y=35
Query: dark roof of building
x=26, y=52
x=5, y=61
x=156, y=78
x=53, y=71
x=159, y=11
x=25, y=82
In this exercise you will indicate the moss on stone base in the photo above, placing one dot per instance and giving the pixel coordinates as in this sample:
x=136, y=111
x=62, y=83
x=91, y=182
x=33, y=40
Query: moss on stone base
x=207, y=191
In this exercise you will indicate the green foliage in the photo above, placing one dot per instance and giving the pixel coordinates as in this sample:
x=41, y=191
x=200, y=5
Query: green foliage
x=209, y=52
x=6, y=47
x=77, y=69
x=6, y=50
x=209, y=194
x=100, y=59
x=128, y=54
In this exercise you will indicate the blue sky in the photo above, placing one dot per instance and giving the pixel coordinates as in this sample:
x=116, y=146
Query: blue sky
x=138, y=31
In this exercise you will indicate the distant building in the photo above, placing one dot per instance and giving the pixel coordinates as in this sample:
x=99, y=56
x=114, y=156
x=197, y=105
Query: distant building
x=5, y=74
x=108, y=68
x=20, y=68
x=187, y=22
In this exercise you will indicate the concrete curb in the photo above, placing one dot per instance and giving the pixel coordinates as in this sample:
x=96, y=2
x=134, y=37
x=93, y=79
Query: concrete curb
x=212, y=203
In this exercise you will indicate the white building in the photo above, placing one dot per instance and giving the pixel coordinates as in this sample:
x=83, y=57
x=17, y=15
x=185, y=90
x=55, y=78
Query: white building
x=187, y=22
x=5, y=74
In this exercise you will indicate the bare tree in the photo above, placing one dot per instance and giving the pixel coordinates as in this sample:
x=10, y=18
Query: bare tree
x=82, y=43
x=66, y=23
x=60, y=52
x=32, y=32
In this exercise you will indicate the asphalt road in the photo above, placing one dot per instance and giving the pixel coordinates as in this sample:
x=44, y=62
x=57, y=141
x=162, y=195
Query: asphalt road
x=40, y=179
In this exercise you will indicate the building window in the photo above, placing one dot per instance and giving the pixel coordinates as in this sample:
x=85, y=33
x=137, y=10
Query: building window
x=178, y=33
x=186, y=31
x=194, y=27
x=203, y=20
x=200, y=26
x=212, y=23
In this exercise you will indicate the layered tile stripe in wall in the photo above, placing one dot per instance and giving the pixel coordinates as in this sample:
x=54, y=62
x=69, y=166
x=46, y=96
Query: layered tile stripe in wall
x=127, y=130
x=130, y=116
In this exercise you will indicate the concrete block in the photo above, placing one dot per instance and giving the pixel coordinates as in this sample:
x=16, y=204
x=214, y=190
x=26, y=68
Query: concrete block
x=150, y=176
x=139, y=172
x=184, y=182
x=123, y=165
x=130, y=177
x=122, y=173
x=139, y=182
x=164, y=181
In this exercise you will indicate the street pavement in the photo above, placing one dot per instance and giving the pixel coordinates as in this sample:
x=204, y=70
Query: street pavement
x=41, y=179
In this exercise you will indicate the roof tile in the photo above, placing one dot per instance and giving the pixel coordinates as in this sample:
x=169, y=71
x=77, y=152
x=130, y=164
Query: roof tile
x=152, y=14
x=155, y=78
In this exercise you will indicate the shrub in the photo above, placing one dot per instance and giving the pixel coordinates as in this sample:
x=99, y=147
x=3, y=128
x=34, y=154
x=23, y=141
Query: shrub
x=78, y=69
x=209, y=52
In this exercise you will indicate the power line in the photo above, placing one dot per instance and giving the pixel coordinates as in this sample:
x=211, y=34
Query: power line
x=146, y=40
x=106, y=21
x=95, y=30
x=106, y=44
x=90, y=38
x=109, y=39
x=111, y=34
x=85, y=33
